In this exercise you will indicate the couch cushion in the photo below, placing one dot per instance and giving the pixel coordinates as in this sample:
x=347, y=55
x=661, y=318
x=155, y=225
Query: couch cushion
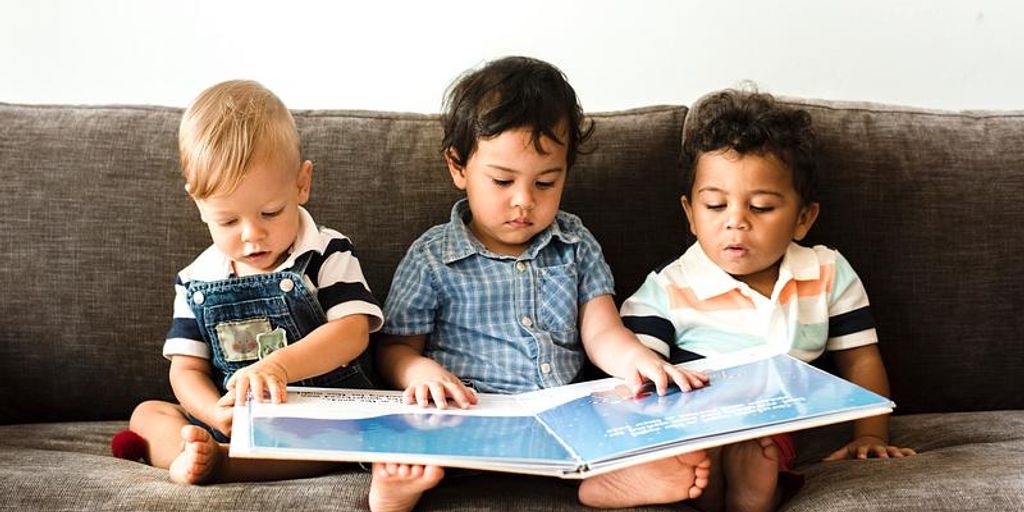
x=965, y=461
x=96, y=225
x=926, y=206
x=69, y=467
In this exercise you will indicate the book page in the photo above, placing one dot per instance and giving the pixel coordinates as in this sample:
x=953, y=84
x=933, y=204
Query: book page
x=765, y=392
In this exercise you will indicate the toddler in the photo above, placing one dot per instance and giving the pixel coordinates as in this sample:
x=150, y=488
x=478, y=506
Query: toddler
x=511, y=294
x=745, y=283
x=276, y=300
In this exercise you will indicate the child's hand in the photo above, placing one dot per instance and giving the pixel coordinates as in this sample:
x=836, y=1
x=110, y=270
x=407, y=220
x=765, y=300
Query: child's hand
x=265, y=378
x=866, y=446
x=437, y=388
x=652, y=367
x=221, y=415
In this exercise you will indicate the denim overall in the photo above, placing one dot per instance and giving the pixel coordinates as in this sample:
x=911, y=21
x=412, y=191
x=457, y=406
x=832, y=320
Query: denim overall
x=245, y=318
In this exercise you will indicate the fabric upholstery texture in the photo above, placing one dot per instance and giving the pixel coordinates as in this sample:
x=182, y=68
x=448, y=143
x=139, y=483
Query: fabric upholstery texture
x=924, y=204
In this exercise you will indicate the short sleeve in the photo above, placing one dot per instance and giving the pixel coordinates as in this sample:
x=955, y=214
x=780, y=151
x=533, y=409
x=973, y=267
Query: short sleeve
x=647, y=314
x=184, y=337
x=850, y=323
x=341, y=287
x=412, y=303
x=595, y=277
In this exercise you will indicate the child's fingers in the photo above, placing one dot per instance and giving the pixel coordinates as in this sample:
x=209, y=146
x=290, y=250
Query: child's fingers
x=635, y=382
x=438, y=394
x=409, y=395
x=422, y=395
x=659, y=377
x=258, y=387
x=227, y=399
x=681, y=378
x=278, y=393
x=241, y=391
x=459, y=393
x=697, y=379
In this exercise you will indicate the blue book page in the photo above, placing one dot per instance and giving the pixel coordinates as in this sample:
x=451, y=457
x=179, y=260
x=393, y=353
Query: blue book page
x=513, y=438
x=607, y=424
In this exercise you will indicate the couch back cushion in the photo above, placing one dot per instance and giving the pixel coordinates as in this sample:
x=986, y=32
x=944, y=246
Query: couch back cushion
x=97, y=223
x=926, y=206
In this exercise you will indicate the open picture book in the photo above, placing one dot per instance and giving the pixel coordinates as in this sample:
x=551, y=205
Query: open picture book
x=573, y=431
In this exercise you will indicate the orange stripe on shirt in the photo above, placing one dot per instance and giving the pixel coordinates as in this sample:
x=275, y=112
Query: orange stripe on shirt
x=811, y=288
x=683, y=298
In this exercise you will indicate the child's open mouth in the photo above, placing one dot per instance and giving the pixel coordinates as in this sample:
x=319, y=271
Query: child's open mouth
x=736, y=251
x=257, y=255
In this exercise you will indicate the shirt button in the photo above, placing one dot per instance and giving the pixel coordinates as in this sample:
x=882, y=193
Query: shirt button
x=526, y=321
x=545, y=368
x=287, y=285
x=198, y=297
x=520, y=266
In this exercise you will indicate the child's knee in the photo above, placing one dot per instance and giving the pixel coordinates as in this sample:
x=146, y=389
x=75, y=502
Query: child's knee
x=149, y=410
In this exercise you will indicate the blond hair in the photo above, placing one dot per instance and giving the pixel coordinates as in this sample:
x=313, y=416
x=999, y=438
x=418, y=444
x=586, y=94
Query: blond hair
x=222, y=130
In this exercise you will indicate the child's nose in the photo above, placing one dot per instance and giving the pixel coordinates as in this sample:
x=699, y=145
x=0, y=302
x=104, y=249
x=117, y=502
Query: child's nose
x=736, y=218
x=253, y=232
x=523, y=198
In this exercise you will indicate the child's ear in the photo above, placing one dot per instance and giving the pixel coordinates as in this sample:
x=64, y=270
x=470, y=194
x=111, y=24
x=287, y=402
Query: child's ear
x=305, y=180
x=202, y=214
x=688, y=209
x=457, y=171
x=804, y=220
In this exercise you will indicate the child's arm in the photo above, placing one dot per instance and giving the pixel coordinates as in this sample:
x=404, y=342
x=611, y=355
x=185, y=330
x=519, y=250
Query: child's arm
x=401, y=362
x=333, y=344
x=193, y=386
x=617, y=351
x=863, y=366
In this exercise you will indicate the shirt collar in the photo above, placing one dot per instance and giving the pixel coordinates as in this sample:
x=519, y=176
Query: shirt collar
x=460, y=242
x=707, y=279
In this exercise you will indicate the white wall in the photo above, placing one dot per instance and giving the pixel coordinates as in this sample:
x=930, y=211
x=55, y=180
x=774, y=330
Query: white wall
x=400, y=55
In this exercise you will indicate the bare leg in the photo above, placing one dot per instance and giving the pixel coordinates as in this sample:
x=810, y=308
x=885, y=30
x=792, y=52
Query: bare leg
x=192, y=456
x=667, y=480
x=398, y=487
x=159, y=423
x=751, y=471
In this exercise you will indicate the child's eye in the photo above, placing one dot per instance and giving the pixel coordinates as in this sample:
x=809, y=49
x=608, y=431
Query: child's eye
x=501, y=183
x=545, y=184
x=226, y=223
x=715, y=206
x=273, y=214
x=761, y=209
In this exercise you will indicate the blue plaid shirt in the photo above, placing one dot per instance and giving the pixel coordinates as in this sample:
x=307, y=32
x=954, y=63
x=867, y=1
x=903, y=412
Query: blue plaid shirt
x=503, y=324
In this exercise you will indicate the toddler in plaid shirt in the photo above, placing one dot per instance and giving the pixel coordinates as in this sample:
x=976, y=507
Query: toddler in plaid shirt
x=511, y=294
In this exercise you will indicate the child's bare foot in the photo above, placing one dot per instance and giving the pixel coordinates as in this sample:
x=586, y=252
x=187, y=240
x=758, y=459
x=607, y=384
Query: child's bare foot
x=397, y=487
x=200, y=455
x=752, y=470
x=663, y=481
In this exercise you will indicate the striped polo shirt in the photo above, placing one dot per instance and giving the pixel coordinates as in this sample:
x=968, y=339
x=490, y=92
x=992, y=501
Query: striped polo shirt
x=692, y=305
x=333, y=274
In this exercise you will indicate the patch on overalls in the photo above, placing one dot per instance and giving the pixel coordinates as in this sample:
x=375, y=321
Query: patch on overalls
x=271, y=341
x=238, y=338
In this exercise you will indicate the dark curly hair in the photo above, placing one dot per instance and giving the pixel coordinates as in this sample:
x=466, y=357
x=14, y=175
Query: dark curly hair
x=751, y=122
x=511, y=93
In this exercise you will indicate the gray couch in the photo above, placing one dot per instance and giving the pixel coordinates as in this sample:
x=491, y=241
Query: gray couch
x=926, y=205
